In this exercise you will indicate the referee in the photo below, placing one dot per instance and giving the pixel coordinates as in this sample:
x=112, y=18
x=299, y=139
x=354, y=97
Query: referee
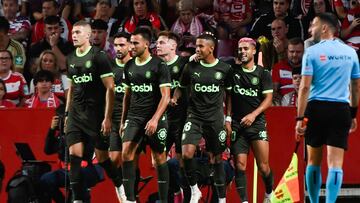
x=329, y=69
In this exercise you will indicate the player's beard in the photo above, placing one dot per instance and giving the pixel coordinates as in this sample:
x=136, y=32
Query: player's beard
x=120, y=55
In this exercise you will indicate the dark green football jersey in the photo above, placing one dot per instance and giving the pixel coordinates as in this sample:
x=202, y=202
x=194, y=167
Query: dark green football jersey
x=118, y=70
x=176, y=67
x=207, y=88
x=144, y=80
x=248, y=89
x=86, y=71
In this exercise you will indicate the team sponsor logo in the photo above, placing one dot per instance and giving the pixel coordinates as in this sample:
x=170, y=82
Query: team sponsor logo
x=148, y=74
x=175, y=69
x=218, y=75
x=339, y=57
x=222, y=136
x=197, y=74
x=206, y=88
x=82, y=79
x=175, y=84
x=119, y=88
x=162, y=133
x=247, y=92
x=19, y=60
x=255, y=80
x=141, y=88
x=88, y=64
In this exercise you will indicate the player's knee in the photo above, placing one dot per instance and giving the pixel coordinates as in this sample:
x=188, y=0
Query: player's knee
x=264, y=168
x=241, y=165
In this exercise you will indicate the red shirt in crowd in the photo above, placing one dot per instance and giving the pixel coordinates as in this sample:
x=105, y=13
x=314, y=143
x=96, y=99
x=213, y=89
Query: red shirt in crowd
x=16, y=87
x=234, y=10
x=282, y=74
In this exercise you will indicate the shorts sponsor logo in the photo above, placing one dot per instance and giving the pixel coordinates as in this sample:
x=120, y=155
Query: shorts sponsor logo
x=222, y=136
x=247, y=92
x=255, y=80
x=162, y=133
x=119, y=89
x=263, y=135
x=148, y=74
x=88, y=64
x=141, y=88
x=175, y=69
x=207, y=88
x=218, y=75
x=82, y=79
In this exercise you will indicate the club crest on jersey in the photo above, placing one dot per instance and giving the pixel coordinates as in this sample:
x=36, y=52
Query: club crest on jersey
x=148, y=74
x=175, y=69
x=222, y=136
x=218, y=75
x=255, y=80
x=162, y=133
x=88, y=64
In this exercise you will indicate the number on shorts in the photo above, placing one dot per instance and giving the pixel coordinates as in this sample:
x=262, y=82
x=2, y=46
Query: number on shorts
x=187, y=126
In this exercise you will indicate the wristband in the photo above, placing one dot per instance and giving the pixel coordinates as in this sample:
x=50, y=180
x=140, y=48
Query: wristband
x=228, y=119
x=353, y=111
x=299, y=118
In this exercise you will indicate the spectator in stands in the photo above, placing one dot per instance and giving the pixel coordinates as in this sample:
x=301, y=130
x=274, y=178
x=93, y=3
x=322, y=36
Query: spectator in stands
x=316, y=7
x=237, y=14
x=52, y=181
x=20, y=27
x=275, y=50
x=144, y=10
x=4, y=103
x=6, y=43
x=99, y=37
x=290, y=99
x=47, y=61
x=350, y=27
x=188, y=26
x=52, y=41
x=50, y=8
x=43, y=97
x=103, y=13
x=87, y=9
x=261, y=26
x=282, y=71
x=17, y=89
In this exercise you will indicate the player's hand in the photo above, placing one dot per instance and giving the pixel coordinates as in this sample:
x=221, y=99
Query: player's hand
x=279, y=45
x=194, y=57
x=106, y=126
x=151, y=126
x=54, y=122
x=54, y=39
x=173, y=102
x=228, y=132
x=353, y=125
x=299, y=130
x=248, y=120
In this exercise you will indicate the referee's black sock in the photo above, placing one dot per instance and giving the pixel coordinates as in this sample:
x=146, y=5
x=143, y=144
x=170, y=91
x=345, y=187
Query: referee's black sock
x=163, y=181
x=129, y=174
x=219, y=179
x=111, y=172
x=240, y=180
x=269, y=182
x=75, y=176
x=190, y=171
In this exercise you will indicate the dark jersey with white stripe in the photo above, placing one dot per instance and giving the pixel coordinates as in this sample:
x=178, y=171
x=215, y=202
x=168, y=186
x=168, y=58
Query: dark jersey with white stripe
x=86, y=71
x=207, y=83
x=248, y=89
x=144, y=80
x=176, y=67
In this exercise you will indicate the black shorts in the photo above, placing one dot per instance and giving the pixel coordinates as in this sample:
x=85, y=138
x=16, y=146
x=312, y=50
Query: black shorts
x=213, y=133
x=329, y=123
x=241, y=137
x=135, y=132
x=115, y=141
x=100, y=142
x=175, y=128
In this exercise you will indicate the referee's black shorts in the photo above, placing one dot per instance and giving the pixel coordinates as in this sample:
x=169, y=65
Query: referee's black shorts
x=329, y=124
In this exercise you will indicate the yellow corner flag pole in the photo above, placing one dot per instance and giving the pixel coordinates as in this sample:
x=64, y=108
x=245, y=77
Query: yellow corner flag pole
x=255, y=182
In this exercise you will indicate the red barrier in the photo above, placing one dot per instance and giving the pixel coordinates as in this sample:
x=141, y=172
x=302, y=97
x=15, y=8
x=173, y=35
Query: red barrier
x=24, y=125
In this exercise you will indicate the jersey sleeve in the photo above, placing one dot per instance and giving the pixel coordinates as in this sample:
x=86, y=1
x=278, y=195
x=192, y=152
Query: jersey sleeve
x=185, y=77
x=103, y=65
x=307, y=66
x=125, y=79
x=228, y=79
x=355, y=72
x=164, y=75
x=267, y=86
